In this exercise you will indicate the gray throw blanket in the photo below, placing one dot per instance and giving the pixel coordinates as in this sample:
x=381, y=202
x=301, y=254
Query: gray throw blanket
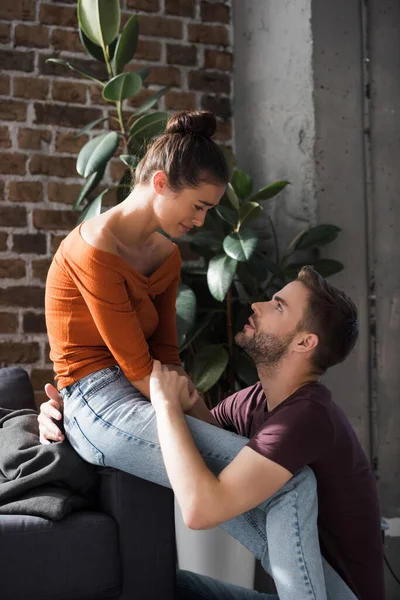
x=44, y=480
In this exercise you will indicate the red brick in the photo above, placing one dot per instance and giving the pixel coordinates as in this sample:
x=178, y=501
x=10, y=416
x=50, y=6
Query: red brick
x=8, y=322
x=148, y=50
x=61, y=16
x=29, y=243
x=36, y=36
x=15, y=60
x=40, y=268
x=34, y=139
x=64, y=39
x=12, y=110
x=56, y=166
x=180, y=100
x=12, y=268
x=220, y=106
x=117, y=169
x=22, y=295
x=25, y=191
x=55, y=241
x=54, y=219
x=216, y=35
x=218, y=83
x=20, y=10
x=4, y=85
x=145, y=5
x=66, y=142
x=65, y=116
x=65, y=92
x=5, y=140
x=224, y=130
x=164, y=76
x=5, y=31
x=34, y=323
x=1, y=191
x=39, y=378
x=160, y=27
x=13, y=216
x=19, y=352
x=215, y=12
x=12, y=164
x=213, y=59
x=97, y=98
x=31, y=88
x=177, y=54
x=139, y=98
x=3, y=241
x=181, y=8
x=66, y=193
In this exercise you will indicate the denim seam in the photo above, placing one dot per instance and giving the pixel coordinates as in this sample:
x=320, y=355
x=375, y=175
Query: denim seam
x=300, y=552
x=101, y=385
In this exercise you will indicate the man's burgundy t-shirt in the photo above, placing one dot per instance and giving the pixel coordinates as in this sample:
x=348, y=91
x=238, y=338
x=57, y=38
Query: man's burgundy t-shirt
x=308, y=428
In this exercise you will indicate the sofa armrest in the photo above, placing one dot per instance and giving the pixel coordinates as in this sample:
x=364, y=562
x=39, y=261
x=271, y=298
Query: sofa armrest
x=16, y=389
x=144, y=513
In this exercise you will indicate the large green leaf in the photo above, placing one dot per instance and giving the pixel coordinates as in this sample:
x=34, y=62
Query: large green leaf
x=93, y=209
x=130, y=160
x=270, y=190
x=147, y=127
x=143, y=73
x=186, y=307
x=87, y=187
x=320, y=235
x=127, y=44
x=150, y=102
x=122, y=86
x=325, y=267
x=220, y=274
x=208, y=365
x=100, y=20
x=249, y=212
x=95, y=50
x=227, y=214
x=241, y=183
x=206, y=238
x=241, y=245
x=90, y=126
x=96, y=153
x=245, y=369
x=231, y=194
x=60, y=61
x=260, y=266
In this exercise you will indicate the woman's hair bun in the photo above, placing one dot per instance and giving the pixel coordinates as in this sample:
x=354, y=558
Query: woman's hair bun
x=192, y=122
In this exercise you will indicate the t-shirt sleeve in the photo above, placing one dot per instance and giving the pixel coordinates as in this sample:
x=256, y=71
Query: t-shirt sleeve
x=235, y=413
x=105, y=293
x=295, y=436
x=163, y=343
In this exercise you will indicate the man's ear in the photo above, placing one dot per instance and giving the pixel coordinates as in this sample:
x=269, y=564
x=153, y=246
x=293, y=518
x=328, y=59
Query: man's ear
x=160, y=182
x=307, y=342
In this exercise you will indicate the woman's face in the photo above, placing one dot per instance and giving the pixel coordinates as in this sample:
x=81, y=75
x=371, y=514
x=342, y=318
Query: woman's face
x=178, y=212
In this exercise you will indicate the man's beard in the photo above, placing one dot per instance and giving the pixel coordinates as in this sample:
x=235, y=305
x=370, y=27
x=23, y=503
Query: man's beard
x=265, y=348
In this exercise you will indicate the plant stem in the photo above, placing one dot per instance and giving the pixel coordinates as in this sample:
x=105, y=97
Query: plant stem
x=231, y=370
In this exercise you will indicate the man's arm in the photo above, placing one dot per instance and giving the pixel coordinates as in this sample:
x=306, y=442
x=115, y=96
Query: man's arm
x=207, y=500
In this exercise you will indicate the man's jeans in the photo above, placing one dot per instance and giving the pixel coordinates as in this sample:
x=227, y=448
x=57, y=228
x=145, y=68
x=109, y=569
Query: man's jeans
x=109, y=423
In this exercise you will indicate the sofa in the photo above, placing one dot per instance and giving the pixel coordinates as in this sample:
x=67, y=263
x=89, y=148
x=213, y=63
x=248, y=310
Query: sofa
x=122, y=548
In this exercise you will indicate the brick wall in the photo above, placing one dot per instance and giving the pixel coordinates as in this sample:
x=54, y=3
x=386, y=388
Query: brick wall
x=187, y=43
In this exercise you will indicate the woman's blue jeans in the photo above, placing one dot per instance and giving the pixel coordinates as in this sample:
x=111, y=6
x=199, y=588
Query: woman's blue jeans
x=110, y=423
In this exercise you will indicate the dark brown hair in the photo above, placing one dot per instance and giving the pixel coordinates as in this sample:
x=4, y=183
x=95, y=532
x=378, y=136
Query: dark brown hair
x=332, y=316
x=186, y=153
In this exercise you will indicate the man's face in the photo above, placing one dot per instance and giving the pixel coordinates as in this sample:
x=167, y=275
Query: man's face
x=273, y=325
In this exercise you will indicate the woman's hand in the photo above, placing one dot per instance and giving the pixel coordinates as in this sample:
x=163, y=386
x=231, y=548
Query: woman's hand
x=52, y=409
x=170, y=387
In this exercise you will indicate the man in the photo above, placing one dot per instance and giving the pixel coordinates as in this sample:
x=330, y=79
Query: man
x=289, y=423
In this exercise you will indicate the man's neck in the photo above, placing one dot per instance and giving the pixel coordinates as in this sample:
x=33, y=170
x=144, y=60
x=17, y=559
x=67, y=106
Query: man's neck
x=280, y=383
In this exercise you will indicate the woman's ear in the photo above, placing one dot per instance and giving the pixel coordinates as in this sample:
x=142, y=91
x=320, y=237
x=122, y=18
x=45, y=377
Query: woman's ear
x=160, y=182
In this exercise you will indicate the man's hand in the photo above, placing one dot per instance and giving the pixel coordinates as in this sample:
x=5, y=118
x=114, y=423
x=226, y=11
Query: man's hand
x=52, y=409
x=167, y=387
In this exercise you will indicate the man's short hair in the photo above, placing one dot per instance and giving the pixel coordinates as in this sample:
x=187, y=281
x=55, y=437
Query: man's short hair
x=332, y=316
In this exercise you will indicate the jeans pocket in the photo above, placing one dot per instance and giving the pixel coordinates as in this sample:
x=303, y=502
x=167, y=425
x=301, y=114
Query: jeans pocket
x=83, y=446
x=93, y=383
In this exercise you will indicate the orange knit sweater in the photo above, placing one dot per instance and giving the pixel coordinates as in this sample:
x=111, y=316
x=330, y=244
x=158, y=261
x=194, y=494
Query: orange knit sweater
x=101, y=312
